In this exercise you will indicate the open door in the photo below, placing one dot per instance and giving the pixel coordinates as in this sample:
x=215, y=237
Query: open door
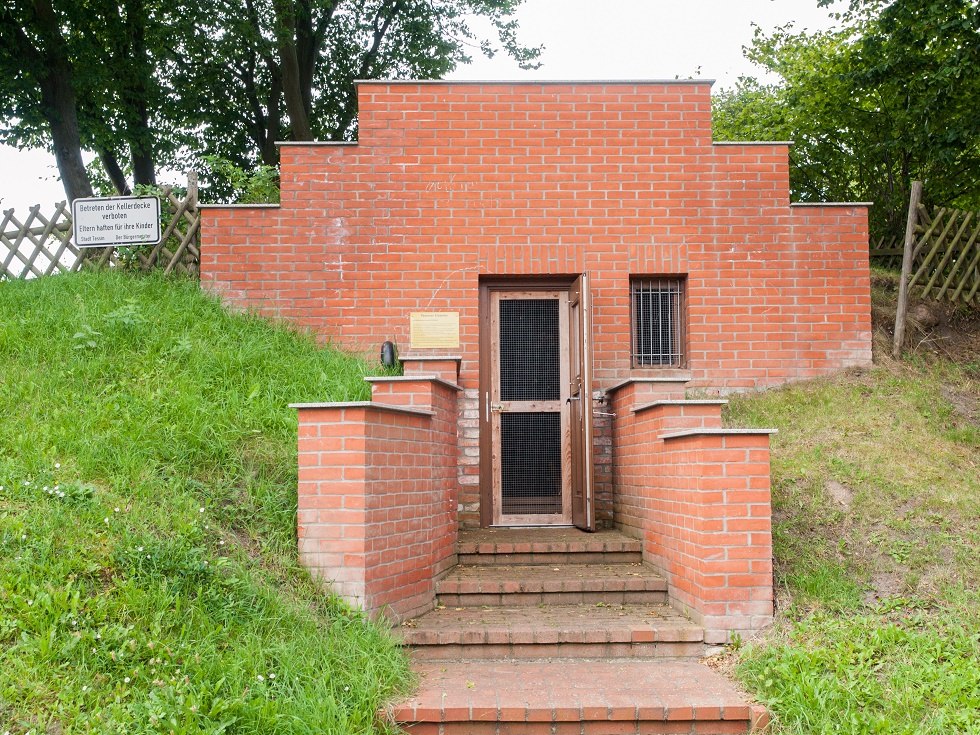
x=580, y=402
x=528, y=407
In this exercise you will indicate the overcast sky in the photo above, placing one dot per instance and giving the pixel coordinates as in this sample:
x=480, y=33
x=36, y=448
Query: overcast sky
x=627, y=39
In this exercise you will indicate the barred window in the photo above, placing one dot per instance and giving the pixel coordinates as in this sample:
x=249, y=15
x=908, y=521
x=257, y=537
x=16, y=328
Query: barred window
x=658, y=322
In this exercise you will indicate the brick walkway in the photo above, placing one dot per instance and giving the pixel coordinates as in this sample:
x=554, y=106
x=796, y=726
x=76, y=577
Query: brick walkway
x=578, y=696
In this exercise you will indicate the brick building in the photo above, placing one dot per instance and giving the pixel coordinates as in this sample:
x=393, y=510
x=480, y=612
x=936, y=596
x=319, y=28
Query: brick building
x=562, y=267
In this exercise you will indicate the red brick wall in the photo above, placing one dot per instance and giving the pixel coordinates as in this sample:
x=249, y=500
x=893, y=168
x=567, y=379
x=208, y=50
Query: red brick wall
x=701, y=505
x=451, y=182
x=376, y=506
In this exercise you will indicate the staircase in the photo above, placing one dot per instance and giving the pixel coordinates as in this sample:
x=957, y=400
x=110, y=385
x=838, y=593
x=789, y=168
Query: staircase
x=559, y=631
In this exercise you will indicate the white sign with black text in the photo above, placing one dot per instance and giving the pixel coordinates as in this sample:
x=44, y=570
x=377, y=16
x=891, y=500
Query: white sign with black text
x=103, y=221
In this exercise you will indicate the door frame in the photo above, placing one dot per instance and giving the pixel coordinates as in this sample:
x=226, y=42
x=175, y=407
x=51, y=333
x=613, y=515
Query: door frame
x=487, y=286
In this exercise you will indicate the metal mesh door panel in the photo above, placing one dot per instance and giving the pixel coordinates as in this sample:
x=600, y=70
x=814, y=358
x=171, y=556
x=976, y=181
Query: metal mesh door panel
x=530, y=350
x=530, y=446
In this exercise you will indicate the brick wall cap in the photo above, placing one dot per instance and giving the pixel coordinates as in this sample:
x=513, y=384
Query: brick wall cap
x=365, y=404
x=408, y=378
x=682, y=402
x=411, y=358
x=677, y=376
x=301, y=143
x=717, y=432
x=538, y=82
x=753, y=142
x=265, y=205
x=831, y=204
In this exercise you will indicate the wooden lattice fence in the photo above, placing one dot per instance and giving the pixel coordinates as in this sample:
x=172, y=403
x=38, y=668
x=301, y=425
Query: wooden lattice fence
x=945, y=255
x=40, y=245
x=887, y=252
x=940, y=258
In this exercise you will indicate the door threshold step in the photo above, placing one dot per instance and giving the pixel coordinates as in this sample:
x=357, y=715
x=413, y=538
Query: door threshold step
x=561, y=631
x=578, y=696
x=533, y=584
x=546, y=546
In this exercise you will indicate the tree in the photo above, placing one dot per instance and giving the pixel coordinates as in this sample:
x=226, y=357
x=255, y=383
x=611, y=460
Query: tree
x=888, y=98
x=144, y=83
x=287, y=70
x=39, y=75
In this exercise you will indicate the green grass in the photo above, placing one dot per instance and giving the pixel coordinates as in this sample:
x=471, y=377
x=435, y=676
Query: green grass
x=148, y=579
x=876, y=509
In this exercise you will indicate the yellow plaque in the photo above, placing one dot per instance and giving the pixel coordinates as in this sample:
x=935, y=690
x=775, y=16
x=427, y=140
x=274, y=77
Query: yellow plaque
x=434, y=329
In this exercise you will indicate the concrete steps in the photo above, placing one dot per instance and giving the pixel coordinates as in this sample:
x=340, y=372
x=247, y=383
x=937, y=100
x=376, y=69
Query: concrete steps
x=546, y=546
x=542, y=584
x=553, y=631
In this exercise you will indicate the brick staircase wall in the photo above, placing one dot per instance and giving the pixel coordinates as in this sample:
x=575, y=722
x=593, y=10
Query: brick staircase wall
x=377, y=503
x=699, y=498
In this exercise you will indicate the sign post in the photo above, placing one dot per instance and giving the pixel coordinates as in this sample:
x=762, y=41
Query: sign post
x=109, y=221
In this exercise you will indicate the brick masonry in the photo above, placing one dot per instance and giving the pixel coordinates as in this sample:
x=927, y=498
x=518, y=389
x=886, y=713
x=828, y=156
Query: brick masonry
x=453, y=182
x=450, y=182
x=376, y=503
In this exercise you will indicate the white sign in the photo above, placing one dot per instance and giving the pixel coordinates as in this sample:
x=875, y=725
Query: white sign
x=103, y=221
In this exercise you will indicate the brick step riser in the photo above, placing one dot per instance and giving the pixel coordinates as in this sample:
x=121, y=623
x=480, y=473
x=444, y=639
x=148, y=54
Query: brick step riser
x=528, y=599
x=550, y=558
x=582, y=727
x=524, y=651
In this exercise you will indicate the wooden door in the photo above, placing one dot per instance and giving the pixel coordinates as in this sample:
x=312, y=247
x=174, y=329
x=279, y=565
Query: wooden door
x=580, y=402
x=529, y=407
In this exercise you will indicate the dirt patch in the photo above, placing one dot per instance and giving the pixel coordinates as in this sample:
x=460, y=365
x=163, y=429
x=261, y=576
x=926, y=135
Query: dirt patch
x=840, y=493
x=964, y=404
x=933, y=327
x=883, y=586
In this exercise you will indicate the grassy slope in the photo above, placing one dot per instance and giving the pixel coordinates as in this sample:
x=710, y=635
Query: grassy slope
x=142, y=396
x=876, y=500
x=148, y=580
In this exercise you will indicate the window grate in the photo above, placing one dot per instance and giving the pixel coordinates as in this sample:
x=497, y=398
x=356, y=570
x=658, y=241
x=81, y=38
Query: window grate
x=658, y=322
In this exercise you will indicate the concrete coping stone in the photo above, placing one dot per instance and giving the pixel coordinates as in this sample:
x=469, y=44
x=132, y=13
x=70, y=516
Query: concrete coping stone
x=680, y=376
x=753, y=142
x=682, y=402
x=831, y=204
x=408, y=378
x=536, y=82
x=260, y=205
x=717, y=432
x=366, y=404
x=419, y=358
x=316, y=142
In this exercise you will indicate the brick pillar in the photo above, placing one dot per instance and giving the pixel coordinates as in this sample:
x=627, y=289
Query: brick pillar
x=377, y=502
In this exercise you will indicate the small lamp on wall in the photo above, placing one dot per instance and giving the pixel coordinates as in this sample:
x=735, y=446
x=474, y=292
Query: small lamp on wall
x=389, y=355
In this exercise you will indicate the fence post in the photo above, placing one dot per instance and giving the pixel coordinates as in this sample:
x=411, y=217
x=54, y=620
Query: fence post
x=192, y=188
x=903, y=284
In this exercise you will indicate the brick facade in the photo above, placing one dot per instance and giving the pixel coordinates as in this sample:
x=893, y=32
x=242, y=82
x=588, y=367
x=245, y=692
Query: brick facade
x=376, y=503
x=451, y=183
x=698, y=496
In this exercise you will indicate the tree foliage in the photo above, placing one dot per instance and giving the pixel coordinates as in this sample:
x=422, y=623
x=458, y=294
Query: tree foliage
x=888, y=98
x=145, y=84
